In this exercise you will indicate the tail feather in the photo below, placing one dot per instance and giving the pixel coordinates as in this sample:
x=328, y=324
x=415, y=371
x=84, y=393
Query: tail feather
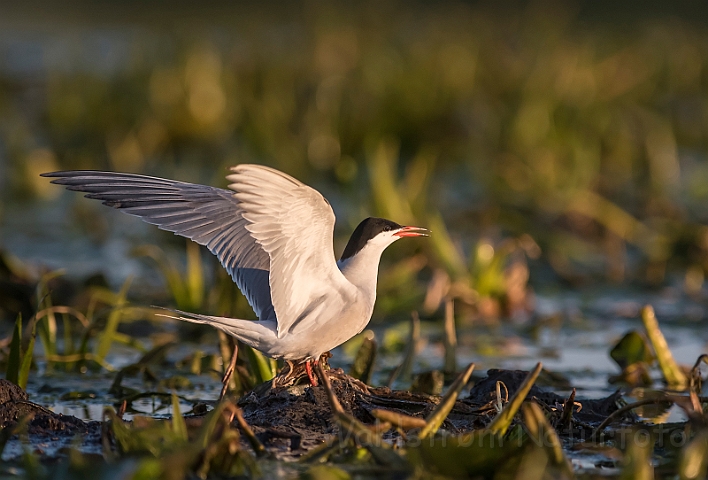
x=254, y=333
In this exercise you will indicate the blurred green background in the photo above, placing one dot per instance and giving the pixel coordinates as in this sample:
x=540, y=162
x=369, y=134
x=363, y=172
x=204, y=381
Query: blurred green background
x=548, y=145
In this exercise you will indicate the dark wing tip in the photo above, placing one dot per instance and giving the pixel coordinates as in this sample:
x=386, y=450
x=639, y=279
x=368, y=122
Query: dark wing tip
x=69, y=177
x=58, y=175
x=65, y=174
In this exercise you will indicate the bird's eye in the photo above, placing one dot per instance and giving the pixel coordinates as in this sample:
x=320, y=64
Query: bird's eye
x=386, y=228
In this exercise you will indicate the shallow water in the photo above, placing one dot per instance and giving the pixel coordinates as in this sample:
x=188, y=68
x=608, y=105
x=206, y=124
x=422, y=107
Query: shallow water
x=579, y=354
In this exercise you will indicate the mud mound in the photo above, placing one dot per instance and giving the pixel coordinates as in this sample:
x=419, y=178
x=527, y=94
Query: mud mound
x=291, y=420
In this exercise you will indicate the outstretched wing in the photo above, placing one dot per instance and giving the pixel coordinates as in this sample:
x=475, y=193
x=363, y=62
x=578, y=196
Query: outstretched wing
x=295, y=225
x=207, y=215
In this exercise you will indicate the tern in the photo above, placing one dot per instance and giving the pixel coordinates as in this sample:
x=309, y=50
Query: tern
x=274, y=236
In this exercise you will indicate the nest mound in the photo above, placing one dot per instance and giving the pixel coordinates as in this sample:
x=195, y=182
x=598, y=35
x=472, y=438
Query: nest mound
x=291, y=420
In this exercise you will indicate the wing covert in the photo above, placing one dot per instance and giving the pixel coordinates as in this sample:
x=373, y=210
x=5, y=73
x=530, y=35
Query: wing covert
x=294, y=224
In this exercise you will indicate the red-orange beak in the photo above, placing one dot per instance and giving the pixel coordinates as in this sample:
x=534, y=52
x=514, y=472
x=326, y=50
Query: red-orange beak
x=412, y=232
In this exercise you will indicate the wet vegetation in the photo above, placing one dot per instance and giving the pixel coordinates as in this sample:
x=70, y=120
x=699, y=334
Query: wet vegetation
x=557, y=153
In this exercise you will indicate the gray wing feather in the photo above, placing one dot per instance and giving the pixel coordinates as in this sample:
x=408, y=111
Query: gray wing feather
x=207, y=215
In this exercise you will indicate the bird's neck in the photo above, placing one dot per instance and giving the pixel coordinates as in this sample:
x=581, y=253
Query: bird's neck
x=362, y=270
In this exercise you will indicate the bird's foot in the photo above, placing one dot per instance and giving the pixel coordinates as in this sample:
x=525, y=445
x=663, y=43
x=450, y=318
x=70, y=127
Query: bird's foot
x=294, y=373
x=286, y=377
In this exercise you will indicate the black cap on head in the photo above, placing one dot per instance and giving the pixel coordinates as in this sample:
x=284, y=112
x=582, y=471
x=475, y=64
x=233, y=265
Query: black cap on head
x=365, y=231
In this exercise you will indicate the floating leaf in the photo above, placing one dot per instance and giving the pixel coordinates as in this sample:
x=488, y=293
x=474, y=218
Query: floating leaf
x=632, y=348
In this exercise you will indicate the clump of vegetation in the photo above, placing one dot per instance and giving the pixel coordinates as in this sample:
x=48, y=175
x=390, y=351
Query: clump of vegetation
x=173, y=450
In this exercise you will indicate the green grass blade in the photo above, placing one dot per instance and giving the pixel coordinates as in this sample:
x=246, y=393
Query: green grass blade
x=673, y=374
x=440, y=413
x=179, y=427
x=261, y=367
x=14, y=360
x=47, y=329
x=106, y=338
x=502, y=422
x=23, y=375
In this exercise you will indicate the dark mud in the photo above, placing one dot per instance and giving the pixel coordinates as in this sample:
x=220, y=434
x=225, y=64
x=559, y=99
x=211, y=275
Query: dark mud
x=587, y=411
x=290, y=421
x=46, y=431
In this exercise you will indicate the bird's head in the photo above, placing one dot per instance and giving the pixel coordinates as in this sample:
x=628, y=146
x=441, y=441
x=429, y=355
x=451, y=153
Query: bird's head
x=379, y=233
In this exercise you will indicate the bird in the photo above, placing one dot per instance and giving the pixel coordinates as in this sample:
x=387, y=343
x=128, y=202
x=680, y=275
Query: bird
x=274, y=235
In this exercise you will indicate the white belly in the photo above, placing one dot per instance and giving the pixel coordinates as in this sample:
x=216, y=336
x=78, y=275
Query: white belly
x=320, y=332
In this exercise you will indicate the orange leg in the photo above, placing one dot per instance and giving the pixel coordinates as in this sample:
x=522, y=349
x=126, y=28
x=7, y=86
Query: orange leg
x=310, y=375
